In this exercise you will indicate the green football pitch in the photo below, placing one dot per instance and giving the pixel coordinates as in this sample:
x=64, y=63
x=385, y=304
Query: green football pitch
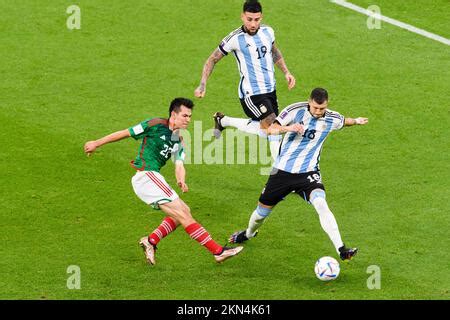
x=387, y=183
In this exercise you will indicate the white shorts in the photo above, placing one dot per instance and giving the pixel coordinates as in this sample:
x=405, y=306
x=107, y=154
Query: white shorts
x=152, y=188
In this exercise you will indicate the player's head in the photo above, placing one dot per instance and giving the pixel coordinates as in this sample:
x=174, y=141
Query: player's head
x=180, y=112
x=251, y=16
x=318, y=102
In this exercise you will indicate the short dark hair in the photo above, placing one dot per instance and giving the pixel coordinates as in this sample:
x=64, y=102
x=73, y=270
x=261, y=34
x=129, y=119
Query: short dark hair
x=176, y=103
x=252, y=6
x=319, y=95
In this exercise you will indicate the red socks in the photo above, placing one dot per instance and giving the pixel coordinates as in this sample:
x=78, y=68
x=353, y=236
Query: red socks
x=197, y=232
x=166, y=227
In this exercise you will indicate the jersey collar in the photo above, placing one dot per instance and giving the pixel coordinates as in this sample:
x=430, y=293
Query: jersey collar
x=312, y=114
x=245, y=31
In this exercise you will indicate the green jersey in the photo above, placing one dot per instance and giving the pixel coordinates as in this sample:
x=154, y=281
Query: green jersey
x=158, y=144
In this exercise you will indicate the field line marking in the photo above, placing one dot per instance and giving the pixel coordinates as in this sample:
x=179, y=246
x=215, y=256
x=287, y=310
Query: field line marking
x=392, y=21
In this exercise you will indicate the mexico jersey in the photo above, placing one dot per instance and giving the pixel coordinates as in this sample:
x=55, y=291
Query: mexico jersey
x=157, y=146
x=254, y=59
x=300, y=153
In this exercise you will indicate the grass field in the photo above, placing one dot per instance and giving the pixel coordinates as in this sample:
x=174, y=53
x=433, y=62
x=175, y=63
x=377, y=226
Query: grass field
x=387, y=182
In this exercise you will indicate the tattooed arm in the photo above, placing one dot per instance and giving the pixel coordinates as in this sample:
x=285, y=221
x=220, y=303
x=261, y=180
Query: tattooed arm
x=279, y=61
x=207, y=70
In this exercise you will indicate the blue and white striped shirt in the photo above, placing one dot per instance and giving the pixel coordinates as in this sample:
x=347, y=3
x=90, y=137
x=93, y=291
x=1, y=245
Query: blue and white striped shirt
x=300, y=153
x=253, y=55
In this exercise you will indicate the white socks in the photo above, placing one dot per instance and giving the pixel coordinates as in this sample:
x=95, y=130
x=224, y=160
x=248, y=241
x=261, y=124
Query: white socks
x=246, y=125
x=327, y=221
x=326, y=217
x=256, y=220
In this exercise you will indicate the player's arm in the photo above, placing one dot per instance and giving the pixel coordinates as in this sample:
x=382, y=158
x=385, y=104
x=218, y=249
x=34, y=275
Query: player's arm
x=276, y=128
x=207, y=70
x=180, y=171
x=180, y=175
x=279, y=61
x=348, y=122
x=91, y=146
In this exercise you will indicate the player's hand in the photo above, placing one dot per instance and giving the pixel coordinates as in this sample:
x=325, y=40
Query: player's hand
x=90, y=147
x=296, y=127
x=361, y=121
x=200, y=91
x=290, y=80
x=183, y=186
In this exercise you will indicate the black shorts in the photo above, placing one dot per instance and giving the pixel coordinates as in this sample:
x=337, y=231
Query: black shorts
x=260, y=106
x=282, y=183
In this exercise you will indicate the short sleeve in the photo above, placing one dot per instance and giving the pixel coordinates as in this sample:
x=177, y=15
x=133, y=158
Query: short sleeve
x=286, y=117
x=139, y=130
x=228, y=44
x=338, y=120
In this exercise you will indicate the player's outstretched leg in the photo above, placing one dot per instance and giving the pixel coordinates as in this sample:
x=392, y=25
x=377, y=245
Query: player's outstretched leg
x=326, y=217
x=222, y=121
x=197, y=232
x=180, y=212
x=227, y=253
x=347, y=253
x=149, y=250
x=256, y=220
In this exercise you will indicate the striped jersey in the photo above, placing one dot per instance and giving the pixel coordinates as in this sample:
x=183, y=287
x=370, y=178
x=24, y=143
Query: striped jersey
x=157, y=146
x=300, y=153
x=253, y=55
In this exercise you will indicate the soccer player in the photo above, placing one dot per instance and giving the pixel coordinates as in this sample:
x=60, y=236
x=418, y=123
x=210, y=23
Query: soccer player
x=160, y=138
x=307, y=125
x=253, y=45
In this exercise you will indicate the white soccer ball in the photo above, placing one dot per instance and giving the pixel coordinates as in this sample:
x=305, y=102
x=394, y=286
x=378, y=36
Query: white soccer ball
x=327, y=268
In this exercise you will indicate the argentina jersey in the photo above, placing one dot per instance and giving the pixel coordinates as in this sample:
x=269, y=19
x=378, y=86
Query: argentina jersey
x=300, y=153
x=254, y=59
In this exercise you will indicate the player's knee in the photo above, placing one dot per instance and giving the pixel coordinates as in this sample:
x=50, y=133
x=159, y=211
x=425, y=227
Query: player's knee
x=317, y=194
x=318, y=198
x=185, y=208
x=321, y=205
x=264, y=212
x=180, y=211
x=185, y=213
x=267, y=121
x=184, y=216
